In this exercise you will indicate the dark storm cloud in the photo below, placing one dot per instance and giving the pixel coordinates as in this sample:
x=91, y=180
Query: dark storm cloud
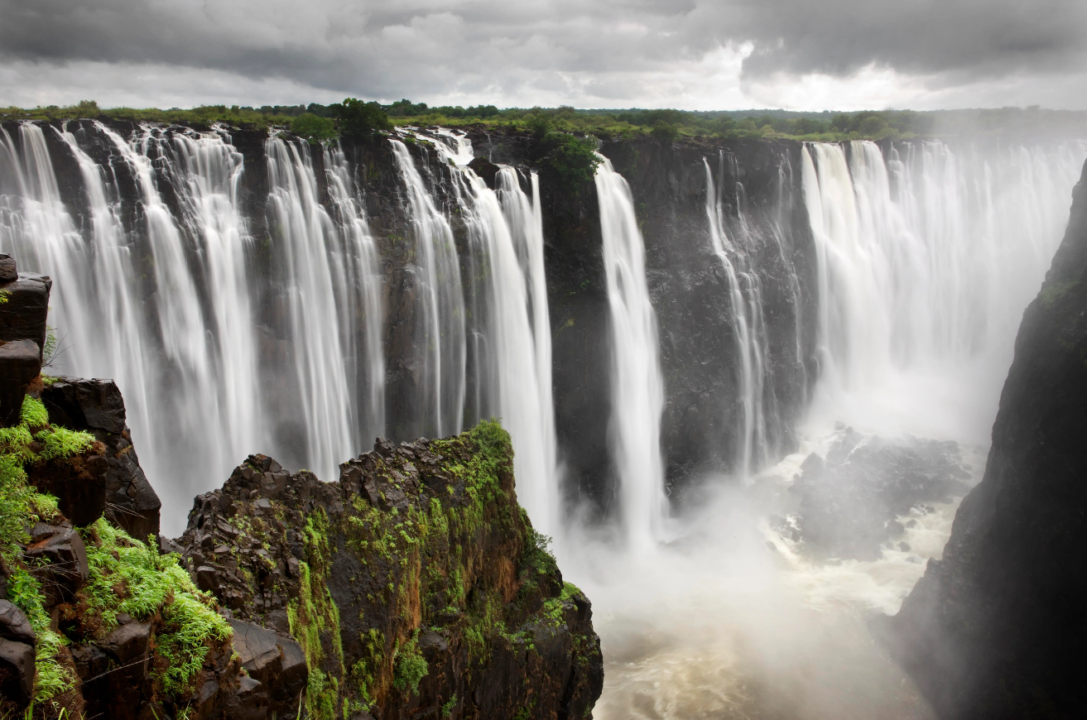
x=419, y=48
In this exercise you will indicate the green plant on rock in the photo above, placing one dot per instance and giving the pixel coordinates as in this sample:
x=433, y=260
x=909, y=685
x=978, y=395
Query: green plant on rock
x=131, y=577
x=314, y=614
x=410, y=667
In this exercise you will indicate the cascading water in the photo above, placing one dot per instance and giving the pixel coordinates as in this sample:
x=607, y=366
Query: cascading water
x=361, y=285
x=506, y=228
x=926, y=259
x=157, y=294
x=745, y=298
x=317, y=287
x=637, y=385
x=440, y=352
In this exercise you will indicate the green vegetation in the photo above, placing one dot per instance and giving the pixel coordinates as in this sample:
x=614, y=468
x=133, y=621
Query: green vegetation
x=313, y=615
x=574, y=160
x=410, y=666
x=131, y=577
x=363, y=119
x=318, y=130
x=126, y=575
x=1052, y=292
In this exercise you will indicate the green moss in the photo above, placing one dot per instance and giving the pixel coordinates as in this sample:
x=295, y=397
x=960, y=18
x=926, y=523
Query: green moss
x=410, y=666
x=51, y=678
x=447, y=709
x=131, y=577
x=313, y=616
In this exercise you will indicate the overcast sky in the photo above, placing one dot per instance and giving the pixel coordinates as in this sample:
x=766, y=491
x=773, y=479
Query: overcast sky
x=691, y=54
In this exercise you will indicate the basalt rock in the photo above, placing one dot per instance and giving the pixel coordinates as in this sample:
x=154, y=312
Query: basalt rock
x=110, y=481
x=414, y=586
x=24, y=304
x=996, y=629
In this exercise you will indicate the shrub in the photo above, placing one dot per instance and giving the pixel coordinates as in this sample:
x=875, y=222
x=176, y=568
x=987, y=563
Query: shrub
x=573, y=159
x=361, y=119
x=318, y=130
x=665, y=132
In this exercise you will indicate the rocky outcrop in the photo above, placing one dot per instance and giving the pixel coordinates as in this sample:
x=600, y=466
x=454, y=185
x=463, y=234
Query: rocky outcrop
x=24, y=304
x=996, y=628
x=414, y=585
x=110, y=483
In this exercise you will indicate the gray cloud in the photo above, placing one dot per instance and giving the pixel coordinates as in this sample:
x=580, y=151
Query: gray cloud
x=608, y=52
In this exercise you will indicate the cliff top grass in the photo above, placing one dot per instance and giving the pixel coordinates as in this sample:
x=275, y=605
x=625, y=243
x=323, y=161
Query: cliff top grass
x=321, y=123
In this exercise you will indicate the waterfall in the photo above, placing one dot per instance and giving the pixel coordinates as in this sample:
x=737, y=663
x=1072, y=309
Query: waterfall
x=513, y=331
x=745, y=301
x=439, y=349
x=637, y=385
x=155, y=290
x=358, y=258
x=316, y=285
x=926, y=256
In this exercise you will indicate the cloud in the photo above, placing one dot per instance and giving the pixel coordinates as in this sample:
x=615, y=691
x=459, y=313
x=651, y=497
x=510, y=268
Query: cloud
x=610, y=53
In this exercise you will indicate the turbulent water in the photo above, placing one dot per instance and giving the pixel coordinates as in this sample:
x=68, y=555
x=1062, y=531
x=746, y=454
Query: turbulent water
x=226, y=340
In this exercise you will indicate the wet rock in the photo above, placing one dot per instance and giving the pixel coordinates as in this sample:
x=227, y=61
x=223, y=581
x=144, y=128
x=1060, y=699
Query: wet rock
x=129, y=643
x=96, y=406
x=16, y=672
x=64, y=568
x=20, y=362
x=14, y=625
x=849, y=503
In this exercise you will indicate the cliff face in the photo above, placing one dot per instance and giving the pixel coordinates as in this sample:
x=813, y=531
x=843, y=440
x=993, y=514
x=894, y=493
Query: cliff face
x=764, y=219
x=415, y=584
x=996, y=629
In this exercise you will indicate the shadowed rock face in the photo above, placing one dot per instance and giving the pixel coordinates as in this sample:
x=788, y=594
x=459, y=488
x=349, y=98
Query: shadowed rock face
x=24, y=304
x=109, y=481
x=997, y=628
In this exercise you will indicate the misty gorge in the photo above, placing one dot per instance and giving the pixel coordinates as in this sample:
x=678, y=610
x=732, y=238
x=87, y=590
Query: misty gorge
x=386, y=417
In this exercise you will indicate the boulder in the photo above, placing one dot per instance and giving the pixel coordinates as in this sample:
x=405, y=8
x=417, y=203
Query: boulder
x=65, y=569
x=127, y=498
x=16, y=672
x=14, y=625
x=20, y=362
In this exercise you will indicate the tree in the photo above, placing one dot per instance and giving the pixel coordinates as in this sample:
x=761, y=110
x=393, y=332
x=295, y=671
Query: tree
x=361, y=119
x=573, y=159
x=665, y=132
x=318, y=130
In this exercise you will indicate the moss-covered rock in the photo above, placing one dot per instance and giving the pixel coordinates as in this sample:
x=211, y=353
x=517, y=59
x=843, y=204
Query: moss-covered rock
x=415, y=584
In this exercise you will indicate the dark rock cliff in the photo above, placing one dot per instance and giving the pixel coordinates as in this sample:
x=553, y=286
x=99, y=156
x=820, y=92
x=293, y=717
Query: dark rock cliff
x=996, y=629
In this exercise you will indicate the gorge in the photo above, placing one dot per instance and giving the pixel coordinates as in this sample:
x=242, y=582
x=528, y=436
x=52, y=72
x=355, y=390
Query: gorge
x=747, y=382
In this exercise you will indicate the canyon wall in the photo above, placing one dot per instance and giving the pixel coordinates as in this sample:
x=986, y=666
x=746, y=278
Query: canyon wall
x=996, y=628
